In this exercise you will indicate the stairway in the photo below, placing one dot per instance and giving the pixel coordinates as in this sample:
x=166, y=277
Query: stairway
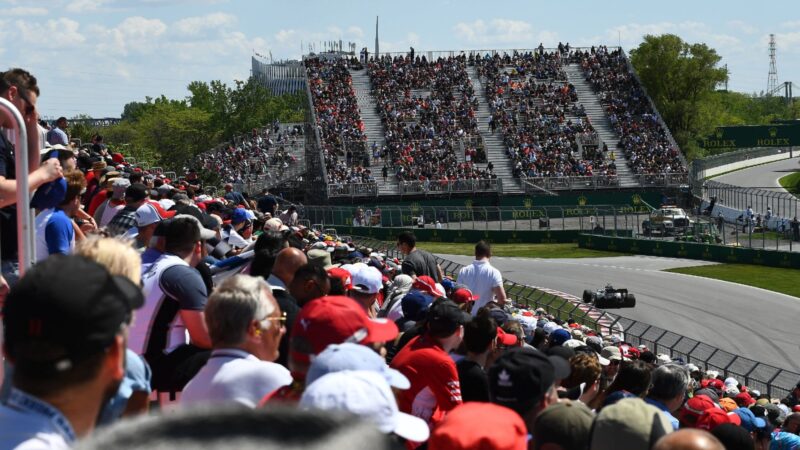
x=599, y=119
x=373, y=128
x=495, y=149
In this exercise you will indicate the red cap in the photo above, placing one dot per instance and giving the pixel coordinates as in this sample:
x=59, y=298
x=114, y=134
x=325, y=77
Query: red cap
x=163, y=213
x=693, y=408
x=118, y=158
x=343, y=275
x=500, y=429
x=714, y=384
x=796, y=408
x=463, y=295
x=335, y=319
x=428, y=285
x=506, y=339
x=743, y=399
x=714, y=417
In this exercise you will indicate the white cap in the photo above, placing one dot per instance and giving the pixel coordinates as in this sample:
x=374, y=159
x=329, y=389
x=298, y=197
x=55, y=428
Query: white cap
x=549, y=327
x=367, y=395
x=147, y=215
x=367, y=280
x=663, y=358
x=730, y=381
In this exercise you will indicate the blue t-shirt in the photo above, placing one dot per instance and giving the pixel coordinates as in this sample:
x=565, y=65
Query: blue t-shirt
x=59, y=234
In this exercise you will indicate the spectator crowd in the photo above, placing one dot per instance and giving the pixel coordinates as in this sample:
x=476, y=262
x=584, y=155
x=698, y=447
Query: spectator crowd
x=258, y=331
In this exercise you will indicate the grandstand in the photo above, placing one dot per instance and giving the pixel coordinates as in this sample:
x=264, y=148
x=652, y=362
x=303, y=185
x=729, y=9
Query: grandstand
x=487, y=121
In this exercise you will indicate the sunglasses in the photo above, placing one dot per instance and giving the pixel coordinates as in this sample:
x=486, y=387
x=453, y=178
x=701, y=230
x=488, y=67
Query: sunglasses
x=30, y=108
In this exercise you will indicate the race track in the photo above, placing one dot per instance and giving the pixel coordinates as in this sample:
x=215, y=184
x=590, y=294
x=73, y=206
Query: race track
x=747, y=321
x=764, y=176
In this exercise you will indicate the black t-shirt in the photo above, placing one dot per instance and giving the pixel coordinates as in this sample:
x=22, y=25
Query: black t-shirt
x=8, y=215
x=474, y=381
x=419, y=263
x=288, y=305
x=266, y=204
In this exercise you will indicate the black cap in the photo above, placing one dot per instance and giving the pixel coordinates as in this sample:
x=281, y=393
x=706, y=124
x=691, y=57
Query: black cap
x=136, y=192
x=444, y=317
x=70, y=305
x=521, y=376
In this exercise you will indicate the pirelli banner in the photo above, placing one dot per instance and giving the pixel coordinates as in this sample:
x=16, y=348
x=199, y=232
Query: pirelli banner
x=778, y=135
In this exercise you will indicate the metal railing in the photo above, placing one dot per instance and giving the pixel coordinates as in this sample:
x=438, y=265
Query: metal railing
x=782, y=204
x=534, y=185
x=662, y=179
x=584, y=218
x=437, y=187
x=768, y=379
x=352, y=190
x=699, y=167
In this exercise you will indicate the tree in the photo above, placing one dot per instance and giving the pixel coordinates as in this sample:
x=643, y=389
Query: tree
x=679, y=77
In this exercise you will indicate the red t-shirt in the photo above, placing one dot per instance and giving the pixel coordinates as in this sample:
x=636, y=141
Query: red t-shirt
x=435, y=388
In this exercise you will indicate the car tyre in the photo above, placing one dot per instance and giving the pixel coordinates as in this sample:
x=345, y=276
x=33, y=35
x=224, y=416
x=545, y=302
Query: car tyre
x=630, y=301
x=587, y=296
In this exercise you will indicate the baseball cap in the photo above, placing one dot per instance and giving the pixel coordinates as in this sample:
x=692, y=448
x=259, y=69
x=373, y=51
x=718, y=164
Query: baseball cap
x=549, y=327
x=744, y=399
x=238, y=216
x=611, y=353
x=566, y=423
x=749, y=420
x=118, y=187
x=463, y=295
x=428, y=285
x=367, y=280
x=136, y=192
x=69, y=303
x=146, y=215
x=714, y=417
x=163, y=213
x=728, y=404
x=320, y=258
x=343, y=276
x=499, y=429
x=415, y=305
x=367, y=395
x=444, y=317
x=521, y=376
x=50, y=194
x=349, y=356
x=336, y=319
x=693, y=409
x=630, y=424
x=559, y=336
x=506, y=339
x=710, y=393
x=205, y=233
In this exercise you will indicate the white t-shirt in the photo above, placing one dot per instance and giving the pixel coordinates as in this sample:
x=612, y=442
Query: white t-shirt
x=480, y=277
x=39, y=225
x=234, y=376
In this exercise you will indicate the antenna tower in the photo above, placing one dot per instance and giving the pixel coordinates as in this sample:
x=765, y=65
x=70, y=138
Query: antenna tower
x=772, y=79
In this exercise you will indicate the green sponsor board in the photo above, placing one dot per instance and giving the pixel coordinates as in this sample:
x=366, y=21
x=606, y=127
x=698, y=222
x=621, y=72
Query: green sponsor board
x=783, y=135
x=706, y=252
x=469, y=236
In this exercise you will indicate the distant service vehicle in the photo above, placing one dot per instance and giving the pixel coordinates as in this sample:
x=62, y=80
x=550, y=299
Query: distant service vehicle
x=608, y=297
x=666, y=221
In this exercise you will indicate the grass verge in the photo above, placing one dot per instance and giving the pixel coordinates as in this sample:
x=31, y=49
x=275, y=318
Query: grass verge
x=775, y=279
x=518, y=250
x=791, y=183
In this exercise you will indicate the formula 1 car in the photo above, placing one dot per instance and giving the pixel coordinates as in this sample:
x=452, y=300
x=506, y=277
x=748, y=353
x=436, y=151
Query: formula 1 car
x=608, y=297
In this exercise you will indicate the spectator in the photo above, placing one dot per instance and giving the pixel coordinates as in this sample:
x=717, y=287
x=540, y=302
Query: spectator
x=633, y=380
x=175, y=298
x=267, y=203
x=483, y=279
x=525, y=380
x=245, y=325
x=793, y=399
x=417, y=262
x=668, y=390
x=367, y=395
x=480, y=336
x=66, y=367
x=234, y=197
x=233, y=234
x=426, y=363
x=124, y=222
x=367, y=283
x=20, y=88
x=694, y=440
x=55, y=230
x=562, y=426
x=286, y=264
x=58, y=135
x=792, y=423
x=631, y=424
x=114, y=204
x=289, y=217
x=310, y=281
x=480, y=426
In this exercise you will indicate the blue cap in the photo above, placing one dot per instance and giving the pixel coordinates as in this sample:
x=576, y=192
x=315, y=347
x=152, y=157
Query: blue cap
x=50, y=195
x=349, y=356
x=448, y=284
x=239, y=215
x=560, y=336
x=749, y=420
x=415, y=305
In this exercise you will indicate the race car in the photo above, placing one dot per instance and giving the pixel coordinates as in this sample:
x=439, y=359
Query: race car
x=608, y=297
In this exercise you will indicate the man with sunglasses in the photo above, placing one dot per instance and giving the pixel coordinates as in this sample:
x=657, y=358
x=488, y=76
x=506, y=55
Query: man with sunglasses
x=18, y=87
x=246, y=325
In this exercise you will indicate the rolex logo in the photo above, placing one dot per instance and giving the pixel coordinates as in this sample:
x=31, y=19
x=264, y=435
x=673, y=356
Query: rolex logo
x=636, y=199
x=528, y=202
x=773, y=132
x=718, y=133
x=582, y=200
x=468, y=203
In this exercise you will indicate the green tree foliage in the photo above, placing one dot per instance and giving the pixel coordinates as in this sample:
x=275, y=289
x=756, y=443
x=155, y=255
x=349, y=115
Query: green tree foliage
x=681, y=78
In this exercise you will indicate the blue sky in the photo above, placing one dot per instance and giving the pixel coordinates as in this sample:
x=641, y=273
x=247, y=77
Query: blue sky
x=93, y=56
